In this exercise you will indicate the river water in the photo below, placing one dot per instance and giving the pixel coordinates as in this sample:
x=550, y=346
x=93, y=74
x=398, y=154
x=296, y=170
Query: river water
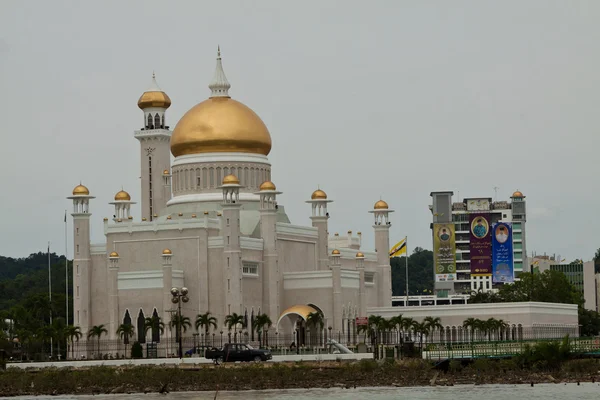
x=558, y=391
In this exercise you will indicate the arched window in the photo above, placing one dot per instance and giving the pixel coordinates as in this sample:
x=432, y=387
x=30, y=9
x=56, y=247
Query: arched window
x=157, y=121
x=149, y=124
x=155, y=327
x=126, y=322
x=141, y=331
x=162, y=125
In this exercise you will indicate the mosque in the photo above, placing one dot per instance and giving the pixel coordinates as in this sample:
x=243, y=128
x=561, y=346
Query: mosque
x=210, y=222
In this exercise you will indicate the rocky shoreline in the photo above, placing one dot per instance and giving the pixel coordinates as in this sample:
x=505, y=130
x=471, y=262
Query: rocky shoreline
x=163, y=379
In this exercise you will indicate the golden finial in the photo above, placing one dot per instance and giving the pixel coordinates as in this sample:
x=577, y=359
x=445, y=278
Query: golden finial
x=218, y=51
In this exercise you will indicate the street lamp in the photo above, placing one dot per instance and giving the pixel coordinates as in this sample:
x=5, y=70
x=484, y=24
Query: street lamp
x=179, y=296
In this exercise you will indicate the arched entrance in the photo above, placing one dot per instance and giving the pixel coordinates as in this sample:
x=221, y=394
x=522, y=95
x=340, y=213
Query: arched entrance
x=291, y=325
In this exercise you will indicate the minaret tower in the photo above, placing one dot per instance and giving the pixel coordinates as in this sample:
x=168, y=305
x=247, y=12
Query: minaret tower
x=155, y=156
x=319, y=218
x=122, y=205
x=336, y=276
x=268, y=220
x=362, y=298
x=82, y=261
x=230, y=231
x=382, y=225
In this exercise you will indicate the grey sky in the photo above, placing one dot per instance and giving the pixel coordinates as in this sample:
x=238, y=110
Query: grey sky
x=390, y=98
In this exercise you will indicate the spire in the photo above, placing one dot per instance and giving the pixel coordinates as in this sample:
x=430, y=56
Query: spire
x=154, y=86
x=219, y=85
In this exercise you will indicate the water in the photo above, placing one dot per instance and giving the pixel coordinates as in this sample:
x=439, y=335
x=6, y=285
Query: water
x=463, y=392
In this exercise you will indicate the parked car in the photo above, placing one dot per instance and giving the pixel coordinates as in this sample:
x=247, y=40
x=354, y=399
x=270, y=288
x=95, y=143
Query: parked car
x=233, y=352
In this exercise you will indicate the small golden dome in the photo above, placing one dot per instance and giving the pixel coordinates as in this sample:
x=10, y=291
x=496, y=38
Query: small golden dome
x=360, y=255
x=119, y=220
x=81, y=190
x=180, y=214
x=359, y=233
x=218, y=214
x=144, y=219
x=336, y=234
x=267, y=185
x=336, y=252
x=167, y=252
x=217, y=125
x=130, y=217
x=231, y=180
x=349, y=232
x=168, y=217
x=105, y=219
x=381, y=205
x=166, y=172
x=205, y=212
x=319, y=195
x=114, y=254
x=154, y=97
x=193, y=215
x=517, y=194
x=122, y=196
x=155, y=215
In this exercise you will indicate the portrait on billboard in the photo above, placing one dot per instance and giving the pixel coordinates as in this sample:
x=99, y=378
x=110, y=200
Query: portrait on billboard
x=501, y=234
x=479, y=227
x=444, y=234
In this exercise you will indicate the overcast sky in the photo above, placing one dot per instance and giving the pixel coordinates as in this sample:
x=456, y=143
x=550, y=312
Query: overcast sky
x=366, y=99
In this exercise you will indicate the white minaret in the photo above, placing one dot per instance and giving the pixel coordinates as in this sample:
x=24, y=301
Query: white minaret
x=113, y=294
x=122, y=205
x=230, y=231
x=336, y=275
x=319, y=218
x=155, y=150
x=382, y=225
x=270, y=274
x=82, y=261
x=362, y=298
x=167, y=268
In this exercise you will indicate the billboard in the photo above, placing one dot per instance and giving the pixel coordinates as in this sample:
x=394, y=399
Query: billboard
x=502, y=253
x=444, y=252
x=480, y=247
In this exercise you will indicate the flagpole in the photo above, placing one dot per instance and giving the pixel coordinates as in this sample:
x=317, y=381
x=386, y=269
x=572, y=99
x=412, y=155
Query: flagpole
x=66, y=272
x=50, y=294
x=406, y=267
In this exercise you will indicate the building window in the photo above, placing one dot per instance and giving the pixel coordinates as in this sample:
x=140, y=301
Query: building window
x=77, y=249
x=77, y=291
x=517, y=226
x=250, y=269
x=77, y=231
x=77, y=269
x=370, y=277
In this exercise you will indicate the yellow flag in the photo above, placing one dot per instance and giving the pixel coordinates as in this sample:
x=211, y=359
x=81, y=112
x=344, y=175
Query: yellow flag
x=398, y=249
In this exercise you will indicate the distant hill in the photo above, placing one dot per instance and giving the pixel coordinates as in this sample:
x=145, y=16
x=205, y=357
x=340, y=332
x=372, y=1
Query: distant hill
x=22, y=278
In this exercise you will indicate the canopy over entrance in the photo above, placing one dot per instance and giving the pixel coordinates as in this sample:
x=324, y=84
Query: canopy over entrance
x=300, y=309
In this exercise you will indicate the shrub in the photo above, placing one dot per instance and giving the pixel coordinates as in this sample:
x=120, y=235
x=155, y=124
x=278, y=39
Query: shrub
x=137, y=351
x=455, y=366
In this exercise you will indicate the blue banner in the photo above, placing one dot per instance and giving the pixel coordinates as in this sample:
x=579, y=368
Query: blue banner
x=502, y=253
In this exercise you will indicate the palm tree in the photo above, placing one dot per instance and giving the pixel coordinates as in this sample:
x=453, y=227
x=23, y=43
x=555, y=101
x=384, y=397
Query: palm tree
x=97, y=331
x=316, y=320
x=180, y=322
x=421, y=329
x=73, y=332
x=374, y=324
x=407, y=326
x=385, y=326
x=472, y=324
x=205, y=320
x=260, y=322
x=363, y=328
x=46, y=334
x=232, y=321
x=154, y=323
x=397, y=322
x=125, y=331
x=433, y=324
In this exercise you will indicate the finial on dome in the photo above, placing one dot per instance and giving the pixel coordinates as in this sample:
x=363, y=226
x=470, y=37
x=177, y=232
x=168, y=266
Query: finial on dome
x=219, y=85
x=153, y=75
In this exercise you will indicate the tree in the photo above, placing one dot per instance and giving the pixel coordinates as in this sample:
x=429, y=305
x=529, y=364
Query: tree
x=73, y=332
x=205, y=321
x=232, y=321
x=262, y=323
x=433, y=324
x=125, y=331
x=180, y=322
x=472, y=324
x=597, y=262
x=155, y=324
x=589, y=322
x=97, y=331
x=420, y=267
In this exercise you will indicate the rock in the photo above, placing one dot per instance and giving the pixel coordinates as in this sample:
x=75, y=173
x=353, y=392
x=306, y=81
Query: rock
x=118, y=389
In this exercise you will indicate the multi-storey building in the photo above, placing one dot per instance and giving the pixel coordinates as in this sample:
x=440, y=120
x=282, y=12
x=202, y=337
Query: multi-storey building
x=460, y=217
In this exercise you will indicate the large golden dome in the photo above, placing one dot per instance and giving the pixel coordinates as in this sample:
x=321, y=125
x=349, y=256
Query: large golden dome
x=122, y=196
x=381, y=205
x=81, y=190
x=217, y=125
x=319, y=195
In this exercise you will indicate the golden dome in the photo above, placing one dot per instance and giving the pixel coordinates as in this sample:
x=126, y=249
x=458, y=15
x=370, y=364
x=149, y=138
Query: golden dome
x=168, y=217
x=166, y=172
x=217, y=125
x=114, y=254
x=105, y=219
x=154, y=97
x=231, y=180
x=144, y=219
x=122, y=196
x=130, y=217
x=360, y=255
x=381, y=205
x=167, y=252
x=517, y=194
x=336, y=252
x=205, y=212
x=319, y=195
x=193, y=215
x=81, y=190
x=267, y=185
x=180, y=214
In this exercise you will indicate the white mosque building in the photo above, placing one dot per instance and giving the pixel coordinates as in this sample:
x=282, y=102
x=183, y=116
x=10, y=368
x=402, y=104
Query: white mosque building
x=210, y=222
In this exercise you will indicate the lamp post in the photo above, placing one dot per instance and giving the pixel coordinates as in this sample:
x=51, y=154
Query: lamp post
x=179, y=296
